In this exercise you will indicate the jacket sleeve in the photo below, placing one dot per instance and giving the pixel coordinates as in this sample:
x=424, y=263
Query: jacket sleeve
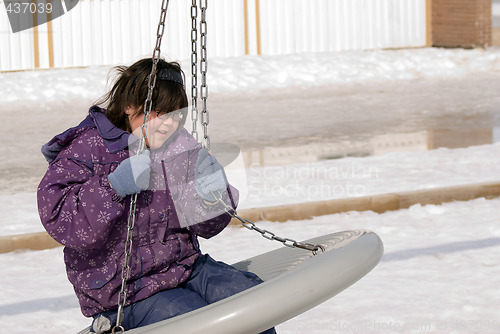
x=77, y=207
x=202, y=218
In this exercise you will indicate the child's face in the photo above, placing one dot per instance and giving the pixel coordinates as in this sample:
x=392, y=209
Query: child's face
x=161, y=126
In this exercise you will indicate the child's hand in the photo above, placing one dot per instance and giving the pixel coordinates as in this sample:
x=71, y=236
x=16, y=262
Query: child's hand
x=132, y=175
x=209, y=176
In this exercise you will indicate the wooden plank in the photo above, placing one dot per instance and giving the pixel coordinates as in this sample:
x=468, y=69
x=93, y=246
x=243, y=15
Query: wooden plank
x=377, y=203
x=31, y=241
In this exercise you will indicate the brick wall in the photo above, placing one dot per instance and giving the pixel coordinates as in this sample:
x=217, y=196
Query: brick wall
x=461, y=23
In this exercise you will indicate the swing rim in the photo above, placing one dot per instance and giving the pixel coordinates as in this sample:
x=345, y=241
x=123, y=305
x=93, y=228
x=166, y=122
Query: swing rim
x=304, y=282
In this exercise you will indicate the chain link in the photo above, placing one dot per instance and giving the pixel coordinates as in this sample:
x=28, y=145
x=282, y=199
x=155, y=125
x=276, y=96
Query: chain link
x=266, y=233
x=194, y=69
x=203, y=70
x=148, y=103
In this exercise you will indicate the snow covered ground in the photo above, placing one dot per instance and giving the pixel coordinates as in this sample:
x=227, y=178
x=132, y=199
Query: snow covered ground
x=441, y=266
x=324, y=180
x=330, y=104
x=439, y=275
x=347, y=99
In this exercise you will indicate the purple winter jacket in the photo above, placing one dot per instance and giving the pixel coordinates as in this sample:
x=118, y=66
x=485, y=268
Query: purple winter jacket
x=80, y=210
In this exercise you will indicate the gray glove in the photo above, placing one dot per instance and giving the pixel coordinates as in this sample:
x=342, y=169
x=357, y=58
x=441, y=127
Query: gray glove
x=132, y=175
x=209, y=176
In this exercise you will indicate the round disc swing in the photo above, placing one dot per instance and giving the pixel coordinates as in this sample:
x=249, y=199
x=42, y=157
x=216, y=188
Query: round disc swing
x=296, y=277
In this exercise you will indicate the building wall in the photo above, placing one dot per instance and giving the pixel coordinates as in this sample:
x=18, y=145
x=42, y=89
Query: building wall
x=461, y=23
x=105, y=32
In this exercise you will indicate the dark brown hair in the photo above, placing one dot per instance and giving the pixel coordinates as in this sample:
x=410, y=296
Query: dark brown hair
x=130, y=89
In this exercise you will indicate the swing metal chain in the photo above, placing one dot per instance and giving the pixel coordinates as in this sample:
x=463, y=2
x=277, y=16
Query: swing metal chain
x=203, y=70
x=194, y=68
x=148, y=103
x=266, y=233
x=205, y=121
x=125, y=274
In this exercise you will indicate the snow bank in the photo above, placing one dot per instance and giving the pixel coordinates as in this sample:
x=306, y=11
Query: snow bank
x=265, y=72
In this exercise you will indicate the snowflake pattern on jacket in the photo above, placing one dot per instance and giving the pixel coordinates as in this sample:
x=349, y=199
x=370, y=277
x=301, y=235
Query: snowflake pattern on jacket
x=80, y=210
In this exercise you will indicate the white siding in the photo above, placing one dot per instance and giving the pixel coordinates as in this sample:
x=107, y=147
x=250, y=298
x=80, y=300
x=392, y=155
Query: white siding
x=103, y=32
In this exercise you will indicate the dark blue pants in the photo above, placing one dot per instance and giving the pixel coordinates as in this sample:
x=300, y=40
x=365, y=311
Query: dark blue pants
x=210, y=282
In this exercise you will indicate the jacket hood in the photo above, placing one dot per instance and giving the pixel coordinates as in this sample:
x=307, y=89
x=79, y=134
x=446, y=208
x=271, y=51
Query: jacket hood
x=114, y=138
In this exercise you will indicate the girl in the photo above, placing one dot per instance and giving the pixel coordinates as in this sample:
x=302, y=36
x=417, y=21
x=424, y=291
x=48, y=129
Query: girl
x=84, y=201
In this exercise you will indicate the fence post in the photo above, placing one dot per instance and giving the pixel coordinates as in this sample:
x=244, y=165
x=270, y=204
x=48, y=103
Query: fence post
x=257, y=24
x=245, y=19
x=428, y=23
x=50, y=37
x=36, y=47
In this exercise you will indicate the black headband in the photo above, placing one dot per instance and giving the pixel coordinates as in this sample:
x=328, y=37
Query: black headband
x=166, y=74
x=169, y=74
